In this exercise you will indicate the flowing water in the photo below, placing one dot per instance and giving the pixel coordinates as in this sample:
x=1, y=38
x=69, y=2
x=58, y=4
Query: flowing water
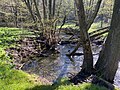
x=57, y=66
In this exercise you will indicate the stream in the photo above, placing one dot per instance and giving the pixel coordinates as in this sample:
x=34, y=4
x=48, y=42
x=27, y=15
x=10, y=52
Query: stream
x=58, y=66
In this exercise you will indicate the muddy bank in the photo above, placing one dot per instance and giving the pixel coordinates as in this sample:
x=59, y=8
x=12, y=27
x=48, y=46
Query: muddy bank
x=59, y=65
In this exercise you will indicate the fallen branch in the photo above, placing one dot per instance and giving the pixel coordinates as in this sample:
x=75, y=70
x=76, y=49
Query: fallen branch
x=97, y=34
x=99, y=30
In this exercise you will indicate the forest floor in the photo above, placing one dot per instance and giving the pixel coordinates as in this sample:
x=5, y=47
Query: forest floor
x=11, y=75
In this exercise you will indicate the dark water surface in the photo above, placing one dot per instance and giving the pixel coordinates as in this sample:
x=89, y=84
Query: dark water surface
x=57, y=66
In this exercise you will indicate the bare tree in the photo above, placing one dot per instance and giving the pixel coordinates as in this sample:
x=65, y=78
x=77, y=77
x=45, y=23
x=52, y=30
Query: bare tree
x=44, y=9
x=84, y=26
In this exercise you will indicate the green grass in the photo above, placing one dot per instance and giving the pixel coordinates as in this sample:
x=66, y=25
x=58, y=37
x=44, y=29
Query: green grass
x=65, y=85
x=11, y=79
x=8, y=36
x=69, y=25
x=85, y=86
x=96, y=26
x=14, y=79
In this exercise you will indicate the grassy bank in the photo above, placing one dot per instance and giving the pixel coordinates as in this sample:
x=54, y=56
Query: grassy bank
x=94, y=26
x=11, y=79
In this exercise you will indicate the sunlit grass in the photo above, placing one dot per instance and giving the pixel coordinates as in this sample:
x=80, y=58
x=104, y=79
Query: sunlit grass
x=8, y=36
x=64, y=84
x=11, y=79
x=96, y=26
x=14, y=79
x=68, y=25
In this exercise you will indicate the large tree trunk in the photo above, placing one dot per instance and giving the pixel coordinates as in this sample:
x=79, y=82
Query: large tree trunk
x=88, y=57
x=110, y=55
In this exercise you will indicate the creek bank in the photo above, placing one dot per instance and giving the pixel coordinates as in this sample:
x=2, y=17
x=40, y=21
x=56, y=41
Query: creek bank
x=28, y=50
x=56, y=65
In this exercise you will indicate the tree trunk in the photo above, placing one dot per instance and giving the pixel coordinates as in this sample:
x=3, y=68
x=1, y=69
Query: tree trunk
x=107, y=63
x=54, y=5
x=94, y=14
x=38, y=13
x=27, y=2
x=84, y=38
x=44, y=9
x=50, y=9
x=89, y=22
x=16, y=15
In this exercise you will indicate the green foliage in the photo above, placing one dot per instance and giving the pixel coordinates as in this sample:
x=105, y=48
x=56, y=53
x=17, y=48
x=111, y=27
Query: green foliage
x=2, y=52
x=8, y=36
x=11, y=79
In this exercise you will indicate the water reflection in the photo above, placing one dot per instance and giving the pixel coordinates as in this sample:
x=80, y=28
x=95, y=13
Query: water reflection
x=59, y=65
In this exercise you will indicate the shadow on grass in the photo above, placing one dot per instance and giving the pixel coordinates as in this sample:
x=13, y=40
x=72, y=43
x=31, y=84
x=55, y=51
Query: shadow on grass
x=69, y=87
x=66, y=85
x=54, y=86
x=42, y=87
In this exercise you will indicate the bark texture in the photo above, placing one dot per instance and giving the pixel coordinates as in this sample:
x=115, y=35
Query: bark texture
x=84, y=38
x=110, y=55
x=89, y=21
